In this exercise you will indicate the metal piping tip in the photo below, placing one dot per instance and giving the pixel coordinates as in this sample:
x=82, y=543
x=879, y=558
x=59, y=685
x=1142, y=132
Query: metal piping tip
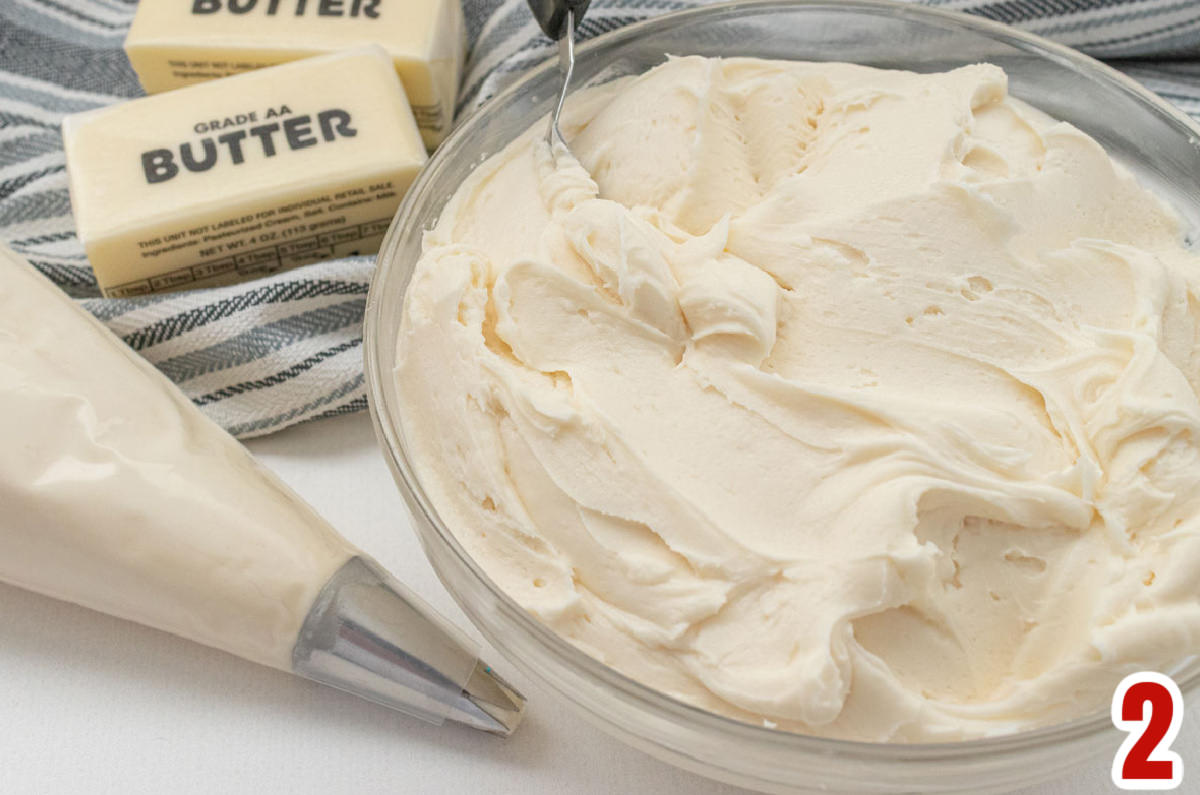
x=488, y=703
x=369, y=635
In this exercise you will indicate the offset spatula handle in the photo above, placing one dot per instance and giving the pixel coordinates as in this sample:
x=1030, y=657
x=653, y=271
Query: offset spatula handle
x=551, y=15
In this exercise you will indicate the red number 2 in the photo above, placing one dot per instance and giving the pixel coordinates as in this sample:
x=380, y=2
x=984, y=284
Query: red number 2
x=1149, y=707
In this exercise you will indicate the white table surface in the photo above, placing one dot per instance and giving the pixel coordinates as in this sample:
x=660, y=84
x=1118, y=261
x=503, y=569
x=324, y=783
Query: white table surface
x=93, y=704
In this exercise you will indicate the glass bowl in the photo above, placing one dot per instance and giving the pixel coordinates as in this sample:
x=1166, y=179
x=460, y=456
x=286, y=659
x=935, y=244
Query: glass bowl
x=1153, y=139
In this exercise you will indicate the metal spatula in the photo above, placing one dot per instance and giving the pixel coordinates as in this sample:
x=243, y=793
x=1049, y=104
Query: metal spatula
x=558, y=20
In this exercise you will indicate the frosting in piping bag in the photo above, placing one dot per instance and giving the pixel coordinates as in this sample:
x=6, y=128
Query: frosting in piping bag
x=859, y=402
x=118, y=494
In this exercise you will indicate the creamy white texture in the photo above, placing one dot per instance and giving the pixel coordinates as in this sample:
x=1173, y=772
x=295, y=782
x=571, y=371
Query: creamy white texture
x=118, y=494
x=859, y=402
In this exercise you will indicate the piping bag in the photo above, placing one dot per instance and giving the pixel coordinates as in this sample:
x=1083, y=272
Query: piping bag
x=118, y=494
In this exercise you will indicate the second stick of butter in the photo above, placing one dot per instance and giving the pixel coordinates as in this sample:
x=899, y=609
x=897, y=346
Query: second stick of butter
x=174, y=43
x=242, y=176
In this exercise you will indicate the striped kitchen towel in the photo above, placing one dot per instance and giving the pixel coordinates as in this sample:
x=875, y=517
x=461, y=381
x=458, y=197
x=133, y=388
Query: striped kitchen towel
x=263, y=355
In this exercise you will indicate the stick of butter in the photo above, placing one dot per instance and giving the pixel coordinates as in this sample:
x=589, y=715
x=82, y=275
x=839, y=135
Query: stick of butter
x=174, y=43
x=244, y=176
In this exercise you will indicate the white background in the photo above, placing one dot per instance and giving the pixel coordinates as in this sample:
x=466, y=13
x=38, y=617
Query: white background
x=92, y=704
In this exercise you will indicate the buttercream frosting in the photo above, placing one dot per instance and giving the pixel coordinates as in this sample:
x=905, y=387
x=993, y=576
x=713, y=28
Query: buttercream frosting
x=858, y=402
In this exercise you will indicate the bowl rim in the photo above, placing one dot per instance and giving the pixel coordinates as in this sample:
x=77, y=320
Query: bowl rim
x=385, y=418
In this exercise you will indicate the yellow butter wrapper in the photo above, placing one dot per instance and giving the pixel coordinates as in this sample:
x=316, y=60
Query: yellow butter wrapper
x=175, y=43
x=242, y=177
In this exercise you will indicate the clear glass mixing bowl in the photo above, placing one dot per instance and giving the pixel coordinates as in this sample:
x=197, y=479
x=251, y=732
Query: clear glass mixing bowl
x=1155, y=140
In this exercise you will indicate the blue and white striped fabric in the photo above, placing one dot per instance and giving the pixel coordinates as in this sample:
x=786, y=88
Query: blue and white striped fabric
x=263, y=355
